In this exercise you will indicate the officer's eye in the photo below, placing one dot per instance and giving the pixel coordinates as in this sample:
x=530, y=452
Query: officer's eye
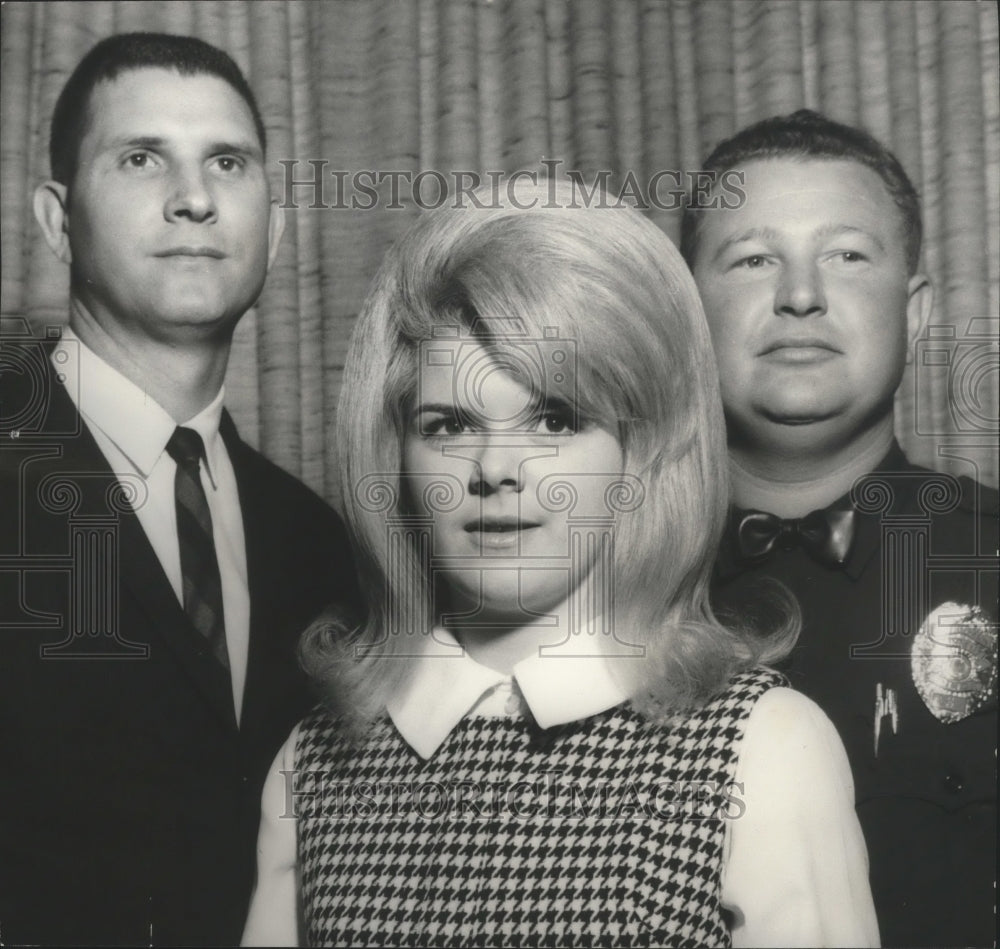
x=753, y=262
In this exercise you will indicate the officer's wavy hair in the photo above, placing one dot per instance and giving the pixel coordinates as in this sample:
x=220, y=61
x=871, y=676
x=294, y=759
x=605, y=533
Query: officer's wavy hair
x=610, y=281
x=804, y=135
x=122, y=53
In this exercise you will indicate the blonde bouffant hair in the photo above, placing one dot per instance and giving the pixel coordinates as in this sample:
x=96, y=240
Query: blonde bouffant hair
x=608, y=279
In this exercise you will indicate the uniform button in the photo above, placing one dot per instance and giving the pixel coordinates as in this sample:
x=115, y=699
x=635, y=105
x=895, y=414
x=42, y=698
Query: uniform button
x=953, y=782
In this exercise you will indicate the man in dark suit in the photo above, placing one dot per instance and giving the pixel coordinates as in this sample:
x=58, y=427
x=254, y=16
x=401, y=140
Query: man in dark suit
x=815, y=300
x=155, y=571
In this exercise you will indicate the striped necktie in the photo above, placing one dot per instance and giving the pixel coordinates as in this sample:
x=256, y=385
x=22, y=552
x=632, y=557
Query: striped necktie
x=199, y=566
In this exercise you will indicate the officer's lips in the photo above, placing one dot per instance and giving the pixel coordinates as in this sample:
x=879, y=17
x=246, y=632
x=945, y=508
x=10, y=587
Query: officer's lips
x=800, y=349
x=193, y=251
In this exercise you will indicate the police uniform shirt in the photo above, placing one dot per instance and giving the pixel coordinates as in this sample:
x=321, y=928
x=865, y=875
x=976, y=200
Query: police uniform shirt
x=925, y=788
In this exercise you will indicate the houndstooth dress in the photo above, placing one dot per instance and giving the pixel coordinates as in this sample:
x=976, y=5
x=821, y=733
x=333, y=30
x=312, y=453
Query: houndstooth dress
x=605, y=832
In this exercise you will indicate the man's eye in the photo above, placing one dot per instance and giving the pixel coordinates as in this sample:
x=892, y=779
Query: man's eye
x=851, y=256
x=139, y=160
x=753, y=262
x=228, y=163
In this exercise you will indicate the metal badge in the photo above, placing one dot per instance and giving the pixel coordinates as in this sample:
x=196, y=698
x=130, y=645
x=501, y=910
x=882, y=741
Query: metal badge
x=954, y=661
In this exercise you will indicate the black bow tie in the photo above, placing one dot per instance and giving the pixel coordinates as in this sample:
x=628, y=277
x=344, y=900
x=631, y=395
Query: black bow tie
x=826, y=535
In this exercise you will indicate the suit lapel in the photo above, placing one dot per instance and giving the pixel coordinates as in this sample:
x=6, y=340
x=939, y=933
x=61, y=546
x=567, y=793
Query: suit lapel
x=142, y=576
x=255, y=513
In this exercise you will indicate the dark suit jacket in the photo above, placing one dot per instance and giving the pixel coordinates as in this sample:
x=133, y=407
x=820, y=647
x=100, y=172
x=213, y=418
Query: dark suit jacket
x=129, y=799
x=927, y=798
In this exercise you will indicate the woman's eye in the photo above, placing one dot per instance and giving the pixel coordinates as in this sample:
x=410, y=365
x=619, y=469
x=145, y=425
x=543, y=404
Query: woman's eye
x=753, y=262
x=557, y=422
x=442, y=425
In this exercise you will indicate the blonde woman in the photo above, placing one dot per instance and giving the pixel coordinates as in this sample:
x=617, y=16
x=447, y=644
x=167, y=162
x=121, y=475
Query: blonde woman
x=542, y=735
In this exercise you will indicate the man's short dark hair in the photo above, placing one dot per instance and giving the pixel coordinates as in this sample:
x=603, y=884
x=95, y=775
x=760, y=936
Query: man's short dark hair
x=122, y=53
x=806, y=134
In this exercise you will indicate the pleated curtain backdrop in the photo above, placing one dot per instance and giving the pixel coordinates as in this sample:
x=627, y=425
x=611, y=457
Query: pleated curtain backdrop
x=628, y=86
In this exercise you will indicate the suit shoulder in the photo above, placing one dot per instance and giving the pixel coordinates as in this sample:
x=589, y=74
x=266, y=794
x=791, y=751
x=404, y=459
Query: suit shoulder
x=294, y=494
x=979, y=499
x=955, y=493
x=281, y=480
x=34, y=405
x=25, y=377
x=289, y=524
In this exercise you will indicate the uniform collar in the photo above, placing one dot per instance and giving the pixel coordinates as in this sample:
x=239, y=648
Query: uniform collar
x=867, y=533
x=446, y=684
x=134, y=421
x=894, y=470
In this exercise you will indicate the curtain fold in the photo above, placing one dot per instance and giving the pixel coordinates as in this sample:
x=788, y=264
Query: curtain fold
x=366, y=99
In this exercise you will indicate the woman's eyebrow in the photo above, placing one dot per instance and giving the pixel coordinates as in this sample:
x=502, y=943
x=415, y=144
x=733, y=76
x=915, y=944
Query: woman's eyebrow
x=444, y=408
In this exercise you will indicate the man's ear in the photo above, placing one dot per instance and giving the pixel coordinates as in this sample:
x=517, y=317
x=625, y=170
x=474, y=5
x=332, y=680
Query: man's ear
x=275, y=228
x=918, y=310
x=52, y=214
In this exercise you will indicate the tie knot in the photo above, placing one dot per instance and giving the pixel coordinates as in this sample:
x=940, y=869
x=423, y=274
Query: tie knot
x=186, y=447
x=826, y=535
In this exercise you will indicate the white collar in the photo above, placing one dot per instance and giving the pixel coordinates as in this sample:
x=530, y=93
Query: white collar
x=446, y=684
x=134, y=421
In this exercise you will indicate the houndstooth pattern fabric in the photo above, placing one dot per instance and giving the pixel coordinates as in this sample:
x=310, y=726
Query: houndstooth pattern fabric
x=605, y=832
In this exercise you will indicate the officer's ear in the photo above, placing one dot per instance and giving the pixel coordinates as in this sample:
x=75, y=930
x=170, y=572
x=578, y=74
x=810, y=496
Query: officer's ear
x=919, y=302
x=52, y=214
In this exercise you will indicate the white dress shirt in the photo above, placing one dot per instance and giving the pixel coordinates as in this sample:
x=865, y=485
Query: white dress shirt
x=796, y=867
x=132, y=431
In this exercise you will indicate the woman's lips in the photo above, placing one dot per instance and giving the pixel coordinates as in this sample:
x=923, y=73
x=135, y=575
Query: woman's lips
x=499, y=532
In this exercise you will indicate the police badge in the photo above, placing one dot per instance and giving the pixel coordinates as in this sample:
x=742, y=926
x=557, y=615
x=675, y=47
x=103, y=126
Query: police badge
x=954, y=661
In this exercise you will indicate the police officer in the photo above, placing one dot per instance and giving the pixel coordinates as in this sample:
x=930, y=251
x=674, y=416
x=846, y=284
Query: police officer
x=814, y=298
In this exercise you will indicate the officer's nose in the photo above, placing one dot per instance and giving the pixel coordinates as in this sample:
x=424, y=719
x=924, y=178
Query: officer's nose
x=800, y=290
